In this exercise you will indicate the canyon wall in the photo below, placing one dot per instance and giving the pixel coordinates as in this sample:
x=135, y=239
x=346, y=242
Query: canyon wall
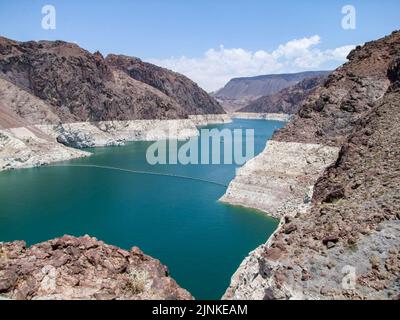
x=331, y=176
x=79, y=86
x=55, y=95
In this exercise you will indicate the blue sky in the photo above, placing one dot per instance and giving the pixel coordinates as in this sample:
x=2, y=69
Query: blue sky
x=179, y=34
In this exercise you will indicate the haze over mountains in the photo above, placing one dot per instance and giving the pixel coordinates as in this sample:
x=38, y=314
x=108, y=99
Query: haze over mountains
x=239, y=92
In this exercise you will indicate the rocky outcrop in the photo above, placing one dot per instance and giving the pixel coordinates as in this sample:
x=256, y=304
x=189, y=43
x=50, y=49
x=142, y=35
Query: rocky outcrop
x=369, y=270
x=362, y=187
x=287, y=100
x=111, y=133
x=83, y=268
x=343, y=241
x=232, y=105
x=345, y=245
x=278, y=180
x=240, y=92
x=80, y=86
x=29, y=147
x=180, y=88
x=328, y=116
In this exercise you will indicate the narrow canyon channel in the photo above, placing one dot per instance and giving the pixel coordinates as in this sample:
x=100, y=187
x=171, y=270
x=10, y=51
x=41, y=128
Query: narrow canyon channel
x=176, y=220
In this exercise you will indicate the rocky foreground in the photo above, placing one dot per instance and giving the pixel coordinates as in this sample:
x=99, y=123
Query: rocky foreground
x=83, y=268
x=332, y=177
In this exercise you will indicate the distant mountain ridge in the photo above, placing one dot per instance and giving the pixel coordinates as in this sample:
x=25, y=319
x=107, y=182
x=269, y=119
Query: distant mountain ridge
x=287, y=100
x=264, y=85
x=239, y=92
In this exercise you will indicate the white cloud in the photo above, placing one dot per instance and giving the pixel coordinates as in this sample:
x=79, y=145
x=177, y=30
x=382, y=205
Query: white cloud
x=296, y=48
x=217, y=66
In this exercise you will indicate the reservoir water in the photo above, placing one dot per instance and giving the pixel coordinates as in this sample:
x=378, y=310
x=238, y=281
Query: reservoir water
x=176, y=220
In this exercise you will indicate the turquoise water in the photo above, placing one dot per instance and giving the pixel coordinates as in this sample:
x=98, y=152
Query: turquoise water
x=176, y=220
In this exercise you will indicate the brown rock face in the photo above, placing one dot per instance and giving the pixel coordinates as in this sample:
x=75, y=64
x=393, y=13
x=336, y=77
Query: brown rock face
x=82, y=268
x=329, y=115
x=19, y=108
x=356, y=202
x=345, y=244
x=363, y=186
x=288, y=100
x=180, y=88
x=354, y=218
x=80, y=86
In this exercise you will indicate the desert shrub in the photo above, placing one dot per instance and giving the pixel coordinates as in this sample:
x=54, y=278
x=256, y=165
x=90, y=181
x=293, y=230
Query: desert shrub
x=137, y=280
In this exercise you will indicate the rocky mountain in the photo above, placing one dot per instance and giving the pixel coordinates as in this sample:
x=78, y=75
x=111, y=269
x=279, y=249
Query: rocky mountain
x=19, y=108
x=287, y=100
x=77, y=85
x=339, y=235
x=363, y=186
x=184, y=91
x=329, y=115
x=83, y=268
x=55, y=95
x=23, y=144
x=239, y=92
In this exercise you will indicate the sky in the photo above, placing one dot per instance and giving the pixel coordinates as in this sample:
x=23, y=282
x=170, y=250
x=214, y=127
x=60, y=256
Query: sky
x=210, y=41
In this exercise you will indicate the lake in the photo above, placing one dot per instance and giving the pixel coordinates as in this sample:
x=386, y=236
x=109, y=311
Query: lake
x=178, y=221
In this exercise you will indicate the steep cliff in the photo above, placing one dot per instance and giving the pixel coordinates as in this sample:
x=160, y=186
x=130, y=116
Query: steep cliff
x=341, y=238
x=184, y=91
x=80, y=86
x=328, y=116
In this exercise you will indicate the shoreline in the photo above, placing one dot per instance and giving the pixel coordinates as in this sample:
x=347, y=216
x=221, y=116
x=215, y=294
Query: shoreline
x=288, y=171
x=262, y=116
x=278, y=180
x=38, y=145
x=279, y=162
